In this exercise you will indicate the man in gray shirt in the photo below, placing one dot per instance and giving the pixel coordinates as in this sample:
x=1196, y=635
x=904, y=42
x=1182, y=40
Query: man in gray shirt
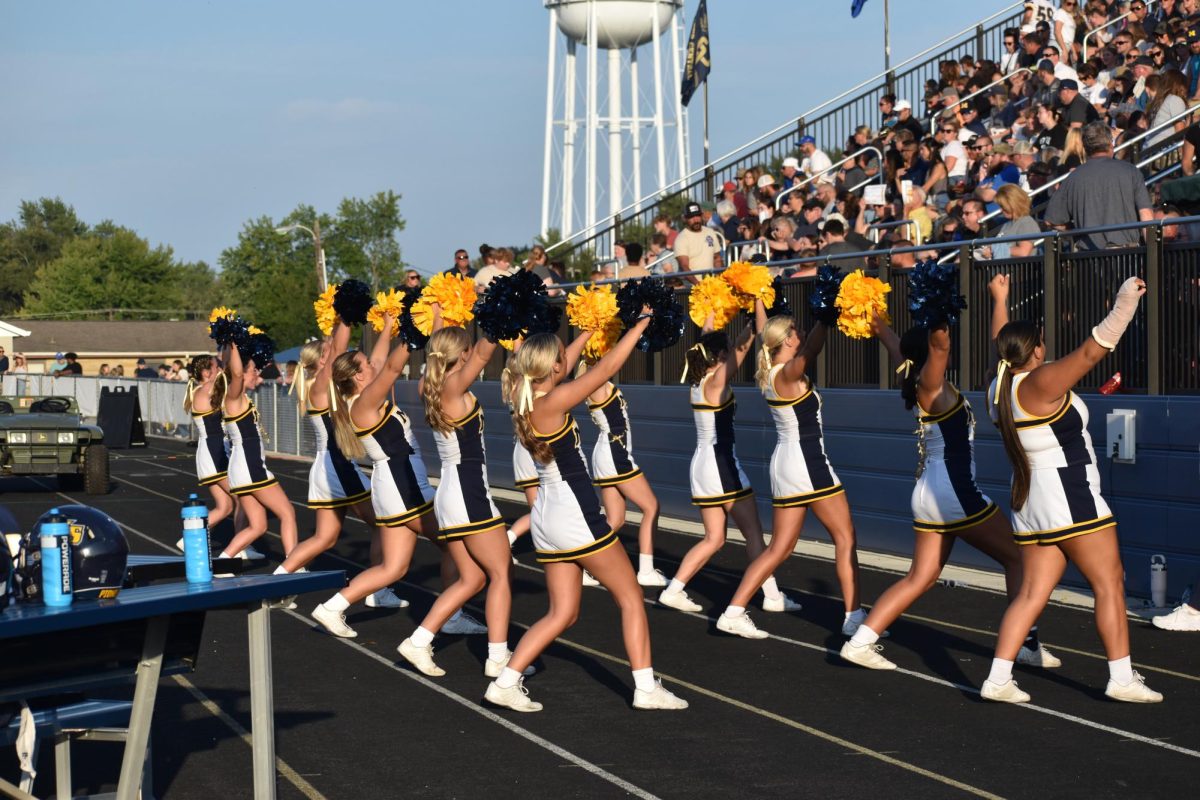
x=1103, y=191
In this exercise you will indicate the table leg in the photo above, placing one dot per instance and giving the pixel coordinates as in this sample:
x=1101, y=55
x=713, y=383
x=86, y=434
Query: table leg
x=262, y=702
x=142, y=713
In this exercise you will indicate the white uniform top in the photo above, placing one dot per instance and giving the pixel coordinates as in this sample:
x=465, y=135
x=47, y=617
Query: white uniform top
x=714, y=423
x=799, y=418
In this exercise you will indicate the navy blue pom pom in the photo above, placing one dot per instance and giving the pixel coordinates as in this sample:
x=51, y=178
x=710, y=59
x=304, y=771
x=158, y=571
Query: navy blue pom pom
x=227, y=330
x=933, y=297
x=666, y=327
x=515, y=305
x=352, y=301
x=822, y=303
x=257, y=347
x=409, y=333
x=781, y=306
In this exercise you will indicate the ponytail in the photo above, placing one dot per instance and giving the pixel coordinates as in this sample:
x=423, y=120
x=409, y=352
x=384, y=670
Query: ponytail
x=701, y=356
x=532, y=363
x=310, y=357
x=1015, y=344
x=444, y=349
x=773, y=336
x=341, y=393
x=914, y=346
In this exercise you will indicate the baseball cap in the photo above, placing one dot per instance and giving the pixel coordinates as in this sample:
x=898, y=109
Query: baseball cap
x=729, y=186
x=834, y=216
x=1045, y=65
x=1143, y=61
x=765, y=180
x=1068, y=84
x=1162, y=29
x=693, y=209
x=806, y=140
x=1022, y=147
x=58, y=356
x=902, y=105
x=141, y=362
x=794, y=163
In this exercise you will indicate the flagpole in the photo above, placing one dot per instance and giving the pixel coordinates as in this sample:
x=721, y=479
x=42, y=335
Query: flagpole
x=705, y=121
x=887, y=41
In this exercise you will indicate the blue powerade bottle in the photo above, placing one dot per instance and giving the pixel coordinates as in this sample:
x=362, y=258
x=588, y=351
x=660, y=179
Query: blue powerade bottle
x=57, y=584
x=197, y=559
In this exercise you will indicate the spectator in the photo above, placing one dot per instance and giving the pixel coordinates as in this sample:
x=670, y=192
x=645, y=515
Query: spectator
x=780, y=245
x=412, y=279
x=696, y=248
x=905, y=121
x=1170, y=233
x=973, y=211
x=1193, y=62
x=598, y=275
x=1015, y=206
x=1076, y=110
x=914, y=168
x=790, y=172
x=73, y=366
x=143, y=371
x=164, y=372
x=1191, y=149
x=1143, y=68
x=1072, y=154
x=662, y=224
x=1066, y=19
x=728, y=219
x=1031, y=51
x=501, y=264
x=1010, y=60
x=1053, y=133
x=833, y=242
x=1092, y=90
x=887, y=112
x=635, y=262
x=289, y=373
x=118, y=371
x=1168, y=100
x=462, y=265
x=902, y=260
x=3, y=361
x=936, y=186
x=922, y=218
x=793, y=207
x=766, y=189
x=968, y=117
x=58, y=365
x=1036, y=11
x=1103, y=191
x=1045, y=89
x=105, y=371
x=999, y=172
x=1023, y=156
x=662, y=259
x=954, y=157
x=729, y=191
x=178, y=371
x=18, y=366
x=815, y=164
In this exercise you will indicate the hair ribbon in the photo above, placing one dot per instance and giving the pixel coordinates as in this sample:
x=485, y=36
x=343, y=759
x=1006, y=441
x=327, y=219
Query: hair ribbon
x=525, y=395
x=1001, y=368
x=190, y=393
x=699, y=348
x=905, y=366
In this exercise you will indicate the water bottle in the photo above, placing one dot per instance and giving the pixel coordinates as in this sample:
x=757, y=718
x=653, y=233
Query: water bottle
x=197, y=559
x=55, y=544
x=1158, y=580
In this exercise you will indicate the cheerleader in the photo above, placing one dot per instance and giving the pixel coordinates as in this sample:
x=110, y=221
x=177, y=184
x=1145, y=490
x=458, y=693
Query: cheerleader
x=335, y=483
x=249, y=479
x=367, y=423
x=212, y=449
x=568, y=527
x=1058, y=512
x=947, y=505
x=620, y=478
x=719, y=486
x=801, y=476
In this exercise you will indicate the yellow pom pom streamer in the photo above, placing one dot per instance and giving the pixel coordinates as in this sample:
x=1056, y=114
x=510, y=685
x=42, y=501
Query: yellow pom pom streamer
x=591, y=308
x=220, y=312
x=455, y=294
x=750, y=282
x=860, y=299
x=323, y=306
x=712, y=295
x=602, y=341
x=389, y=302
x=254, y=330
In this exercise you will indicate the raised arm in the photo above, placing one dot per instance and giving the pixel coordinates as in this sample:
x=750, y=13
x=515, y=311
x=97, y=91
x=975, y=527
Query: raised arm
x=377, y=390
x=379, y=350
x=237, y=373
x=998, y=286
x=760, y=315
x=458, y=382
x=796, y=369
x=733, y=361
x=569, y=394
x=336, y=344
x=888, y=340
x=574, y=352
x=932, y=380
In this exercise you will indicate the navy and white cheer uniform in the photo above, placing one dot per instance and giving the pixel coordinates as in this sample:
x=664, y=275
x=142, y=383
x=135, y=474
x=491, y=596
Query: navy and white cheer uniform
x=525, y=472
x=400, y=490
x=716, y=476
x=334, y=481
x=946, y=498
x=1064, y=484
x=566, y=521
x=212, y=452
x=611, y=460
x=247, y=462
x=800, y=471
x=463, y=503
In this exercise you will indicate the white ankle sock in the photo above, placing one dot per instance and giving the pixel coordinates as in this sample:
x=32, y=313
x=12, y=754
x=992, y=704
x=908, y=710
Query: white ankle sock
x=734, y=611
x=771, y=589
x=497, y=651
x=281, y=570
x=1001, y=671
x=644, y=679
x=512, y=537
x=1121, y=671
x=857, y=614
x=645, y=562
x=864, y=636
x=421, y=637
x=337, y=603
x=508, y=678
x=675, y=585
x=224, y=554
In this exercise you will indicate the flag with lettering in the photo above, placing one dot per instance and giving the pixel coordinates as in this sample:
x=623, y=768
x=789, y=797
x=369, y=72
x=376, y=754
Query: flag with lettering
x=697, y=65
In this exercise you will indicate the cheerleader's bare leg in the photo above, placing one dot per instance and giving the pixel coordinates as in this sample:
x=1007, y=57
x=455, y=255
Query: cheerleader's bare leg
x=834, y=514
x=275, y=500
x=329, y=527
x=255, y=515
x=564, y=584
x=223, y=502
x=787, y=525
x=489, y=550
x=637, y=491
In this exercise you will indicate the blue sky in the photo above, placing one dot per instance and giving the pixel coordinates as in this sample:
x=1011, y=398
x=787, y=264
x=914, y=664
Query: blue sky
x=183, y=120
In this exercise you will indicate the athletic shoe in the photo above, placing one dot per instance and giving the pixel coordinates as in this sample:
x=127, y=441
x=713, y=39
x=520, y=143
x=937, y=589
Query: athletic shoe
x=781, y=603
x=421, y=658
x=588, y=580
x=867, y=655
x=287, y=603
x=851, y=624
x=1003, y=692
x=1183, y=618
x=385, y=598
x=741, y=625
x=1038, y=658
x=492, y=669
x=334, y=622
x=1136, y=691
x=679, y=601
x=179, y=545
x=652, y=578
x=514, y=697
x=249, y=552
x=659, y=699
x=464, y=625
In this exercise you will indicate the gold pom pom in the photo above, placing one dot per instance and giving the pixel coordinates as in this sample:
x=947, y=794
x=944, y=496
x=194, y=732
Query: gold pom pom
x=860, y=298
x=602, y=340
x=323, y=306
x=389, y=302
x=455, y=294
x=749, y=282
x=254, y=330
x=220, y=312
x=508, y=344
x=713, y=296
x=591, y=308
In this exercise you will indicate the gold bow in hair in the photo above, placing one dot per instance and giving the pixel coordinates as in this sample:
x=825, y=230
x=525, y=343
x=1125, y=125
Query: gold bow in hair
x=525, y=395
x=1000, y=369
x=190, y=394
x=698, y=346
x=905, y=366
x=333, y=393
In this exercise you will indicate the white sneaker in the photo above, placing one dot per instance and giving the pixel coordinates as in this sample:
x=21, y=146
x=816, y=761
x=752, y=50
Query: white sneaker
x=1136, y=691
x=781, y=603
x=867, y=655
x=1038, y=658
x=658, y=699
x=464, y=625
x=741, y=625
x=679, y=601
x=1003, y=692
x=287, y=603
x=492, y=669
x=588, y=580
x=652, y=578
x=385, y=598
x=421, y=658
x=1183, y=618
x=334, y=622
x=179, y=545
x=514, y=697
x=249, y=552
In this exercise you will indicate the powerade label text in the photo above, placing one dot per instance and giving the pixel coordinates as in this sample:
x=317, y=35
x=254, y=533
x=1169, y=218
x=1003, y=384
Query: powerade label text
x=64, y=560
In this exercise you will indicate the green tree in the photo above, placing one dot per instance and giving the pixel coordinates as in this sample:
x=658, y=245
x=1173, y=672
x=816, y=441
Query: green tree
x=198, y=287
x=35, y=238
x=362, y=242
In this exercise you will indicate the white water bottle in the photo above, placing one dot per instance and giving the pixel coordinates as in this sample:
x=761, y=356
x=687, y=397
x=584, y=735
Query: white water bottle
x=1158, y=580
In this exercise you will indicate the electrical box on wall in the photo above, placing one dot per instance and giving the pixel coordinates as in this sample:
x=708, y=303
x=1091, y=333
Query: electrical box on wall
x=1121, y=425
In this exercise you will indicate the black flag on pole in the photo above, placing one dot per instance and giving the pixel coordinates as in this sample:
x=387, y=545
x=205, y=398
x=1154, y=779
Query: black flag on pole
x=695, y=69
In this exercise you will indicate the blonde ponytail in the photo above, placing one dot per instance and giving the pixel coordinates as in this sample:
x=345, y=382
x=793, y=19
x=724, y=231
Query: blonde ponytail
x=531, y=364
x=343, y=388
x=773, y=336
x=442, y=352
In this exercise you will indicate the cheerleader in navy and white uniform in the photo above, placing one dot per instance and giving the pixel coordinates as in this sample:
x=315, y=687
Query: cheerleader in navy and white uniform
x=1058, y=512
x=212, y=448
x=569, y=530
x=947, y=505
x=719, y=485
x=249, y=479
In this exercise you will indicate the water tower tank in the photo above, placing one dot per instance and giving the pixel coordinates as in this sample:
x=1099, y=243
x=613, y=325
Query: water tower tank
x=620, y=24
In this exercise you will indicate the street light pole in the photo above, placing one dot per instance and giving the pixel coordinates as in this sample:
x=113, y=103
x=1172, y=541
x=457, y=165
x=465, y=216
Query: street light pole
x=315, y=232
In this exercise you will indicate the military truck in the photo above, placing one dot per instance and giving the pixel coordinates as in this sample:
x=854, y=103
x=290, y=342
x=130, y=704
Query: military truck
x=47, y=436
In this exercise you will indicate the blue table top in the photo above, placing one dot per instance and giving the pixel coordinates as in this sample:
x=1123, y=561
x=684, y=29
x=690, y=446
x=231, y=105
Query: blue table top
x=26, y=619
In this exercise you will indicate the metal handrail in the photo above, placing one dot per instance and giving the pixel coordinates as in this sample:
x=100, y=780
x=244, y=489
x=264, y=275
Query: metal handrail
x=1108, y=24
x=680, y=182
x=853, y=156
x=898, y=223
x=980, y=91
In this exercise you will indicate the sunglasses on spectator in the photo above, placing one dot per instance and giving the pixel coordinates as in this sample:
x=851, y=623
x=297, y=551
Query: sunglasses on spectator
x=949, y=130
x=1131, y=57
x=413, y=277
x=461, y=258
x=1156, y=54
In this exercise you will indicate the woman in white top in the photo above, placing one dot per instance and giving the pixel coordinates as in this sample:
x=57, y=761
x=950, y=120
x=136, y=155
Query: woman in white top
x=1168, y=99
x=1066, y=19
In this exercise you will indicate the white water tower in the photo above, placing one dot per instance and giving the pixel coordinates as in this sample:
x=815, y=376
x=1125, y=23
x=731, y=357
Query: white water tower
x=574, y=122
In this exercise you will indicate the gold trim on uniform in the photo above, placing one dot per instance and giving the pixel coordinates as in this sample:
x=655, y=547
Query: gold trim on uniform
x=1037, y=422
x=603, y=543
x=317, y=412
x=386, y=411
x=957, y=525
x=604, y=403
x=525, y=483
x=800, y=500
x=722, y=499
x=930, y=419
x=204, y=413
x=407, y=516
x=615, y=479
x=216, y=477
x=707, y=407
x=1062, y=534
x=340, y=502
x=460, y=531
x=249, y=410
x=238, y=491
